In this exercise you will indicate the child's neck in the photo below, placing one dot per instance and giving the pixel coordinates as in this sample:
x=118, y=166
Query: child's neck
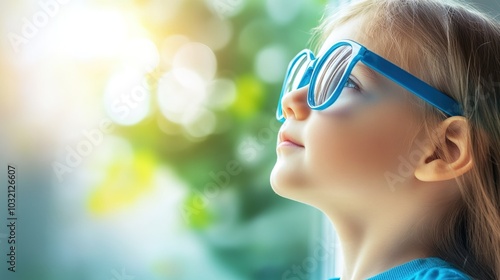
x=372, y=244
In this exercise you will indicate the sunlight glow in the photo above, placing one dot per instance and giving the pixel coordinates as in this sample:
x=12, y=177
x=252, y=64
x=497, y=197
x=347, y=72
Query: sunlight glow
x=91, y=33
x=141, y=54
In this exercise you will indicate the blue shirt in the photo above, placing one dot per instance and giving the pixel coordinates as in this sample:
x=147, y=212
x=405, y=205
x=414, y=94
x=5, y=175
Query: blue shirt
x=422, y=269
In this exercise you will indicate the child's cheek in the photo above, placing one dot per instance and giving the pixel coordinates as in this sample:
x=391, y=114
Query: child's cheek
x=356, y=148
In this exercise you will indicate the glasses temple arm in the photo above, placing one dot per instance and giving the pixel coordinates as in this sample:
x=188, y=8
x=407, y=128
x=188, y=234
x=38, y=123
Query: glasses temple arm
x=411, y=83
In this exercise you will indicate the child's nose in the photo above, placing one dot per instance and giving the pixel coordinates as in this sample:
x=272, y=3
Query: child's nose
x=294, y=104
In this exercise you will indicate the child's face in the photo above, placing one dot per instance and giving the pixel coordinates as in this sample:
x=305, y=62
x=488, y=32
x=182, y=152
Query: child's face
x=347, y=148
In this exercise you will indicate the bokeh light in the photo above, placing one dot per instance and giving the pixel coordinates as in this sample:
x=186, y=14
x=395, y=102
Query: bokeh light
x=271, y=63
x=216, y=34
x=198, y=58
x=127, y=97
x=284, y=16
x=221, y=93
x=170, y=46
x=178, y=92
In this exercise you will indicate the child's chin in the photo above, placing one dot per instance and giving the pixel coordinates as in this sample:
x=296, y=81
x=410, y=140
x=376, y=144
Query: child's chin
x=286, y=183
x=280, y=179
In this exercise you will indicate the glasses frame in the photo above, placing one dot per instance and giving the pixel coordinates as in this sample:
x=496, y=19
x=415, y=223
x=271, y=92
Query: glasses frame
x=381, y=65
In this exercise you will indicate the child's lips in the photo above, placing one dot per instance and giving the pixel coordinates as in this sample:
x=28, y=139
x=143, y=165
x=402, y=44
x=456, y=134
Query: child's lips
x=286, y=139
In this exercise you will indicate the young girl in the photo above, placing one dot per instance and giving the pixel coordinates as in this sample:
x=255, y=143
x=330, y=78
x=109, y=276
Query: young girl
x=405, y=163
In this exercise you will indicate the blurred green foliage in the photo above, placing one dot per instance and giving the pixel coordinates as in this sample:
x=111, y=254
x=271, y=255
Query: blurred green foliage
x=252, y=112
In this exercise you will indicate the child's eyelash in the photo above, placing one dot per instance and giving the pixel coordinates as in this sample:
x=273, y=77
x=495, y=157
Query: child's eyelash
x=350, y=83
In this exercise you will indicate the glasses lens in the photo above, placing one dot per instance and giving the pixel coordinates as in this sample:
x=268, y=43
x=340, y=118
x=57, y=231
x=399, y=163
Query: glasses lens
x=332, y=72
x=296, y=73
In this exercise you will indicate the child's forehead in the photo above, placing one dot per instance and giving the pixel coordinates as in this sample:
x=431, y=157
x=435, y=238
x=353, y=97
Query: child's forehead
x=352, y=30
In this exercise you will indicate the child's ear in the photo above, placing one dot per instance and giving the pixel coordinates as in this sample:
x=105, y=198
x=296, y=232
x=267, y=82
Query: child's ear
x=452, y=135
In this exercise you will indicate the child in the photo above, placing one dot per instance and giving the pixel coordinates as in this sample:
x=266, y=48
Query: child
x=404, y=163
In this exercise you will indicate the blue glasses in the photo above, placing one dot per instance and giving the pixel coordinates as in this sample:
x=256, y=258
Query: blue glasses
x=327, y=75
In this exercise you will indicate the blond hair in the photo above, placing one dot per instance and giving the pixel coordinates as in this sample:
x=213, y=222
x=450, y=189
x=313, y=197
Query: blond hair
x=456, y=49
